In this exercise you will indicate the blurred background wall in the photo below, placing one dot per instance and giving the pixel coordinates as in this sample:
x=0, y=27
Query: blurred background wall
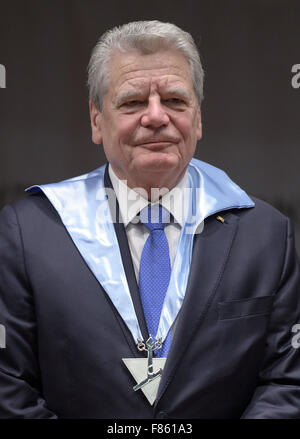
x=251, y=111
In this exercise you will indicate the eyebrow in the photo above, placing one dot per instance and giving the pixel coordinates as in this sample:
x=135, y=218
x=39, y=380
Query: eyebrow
x=179, y=92
x=127, y=94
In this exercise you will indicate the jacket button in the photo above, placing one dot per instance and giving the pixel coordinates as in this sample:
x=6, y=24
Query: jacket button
x=162, y=415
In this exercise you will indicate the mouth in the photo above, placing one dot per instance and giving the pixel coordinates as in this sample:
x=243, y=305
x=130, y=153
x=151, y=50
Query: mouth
x=157, y=144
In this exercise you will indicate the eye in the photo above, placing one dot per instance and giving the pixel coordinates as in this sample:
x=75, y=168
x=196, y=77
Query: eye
x=176, y=104
x=175, y=101
x=132, y=103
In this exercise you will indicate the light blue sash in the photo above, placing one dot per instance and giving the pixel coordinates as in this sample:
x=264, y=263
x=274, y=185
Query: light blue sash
x=83, y=207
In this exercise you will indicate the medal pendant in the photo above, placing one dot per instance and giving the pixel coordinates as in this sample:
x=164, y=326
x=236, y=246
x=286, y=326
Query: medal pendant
x=147, y=371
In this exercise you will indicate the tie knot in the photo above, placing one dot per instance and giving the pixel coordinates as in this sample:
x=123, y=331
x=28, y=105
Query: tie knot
x=155, y=217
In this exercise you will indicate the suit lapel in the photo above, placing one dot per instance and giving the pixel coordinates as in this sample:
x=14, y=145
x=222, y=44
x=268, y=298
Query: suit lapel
x=210, y=254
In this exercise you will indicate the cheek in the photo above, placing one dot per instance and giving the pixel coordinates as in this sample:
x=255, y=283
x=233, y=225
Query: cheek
x=125, y=128
x=186, y=126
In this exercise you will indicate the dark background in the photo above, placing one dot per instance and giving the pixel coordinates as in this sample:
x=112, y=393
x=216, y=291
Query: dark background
x=251, y=112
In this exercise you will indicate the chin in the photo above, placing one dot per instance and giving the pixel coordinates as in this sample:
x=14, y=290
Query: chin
x=158, y=162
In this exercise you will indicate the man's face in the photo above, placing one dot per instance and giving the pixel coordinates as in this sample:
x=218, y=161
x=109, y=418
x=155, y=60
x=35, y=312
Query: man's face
x=150, y=121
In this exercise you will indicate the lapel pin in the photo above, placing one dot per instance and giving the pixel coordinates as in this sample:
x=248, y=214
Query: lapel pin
x=221, y=219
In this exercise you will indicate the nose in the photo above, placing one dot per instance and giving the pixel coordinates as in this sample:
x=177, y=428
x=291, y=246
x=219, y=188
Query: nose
x=155, y=114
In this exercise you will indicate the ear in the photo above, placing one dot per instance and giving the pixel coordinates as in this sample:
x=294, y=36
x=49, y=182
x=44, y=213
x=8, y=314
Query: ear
x=199, y=123
x=96, y=117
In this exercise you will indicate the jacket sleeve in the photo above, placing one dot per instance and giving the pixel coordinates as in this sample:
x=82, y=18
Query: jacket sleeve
x=277, y=394
x=20, y=381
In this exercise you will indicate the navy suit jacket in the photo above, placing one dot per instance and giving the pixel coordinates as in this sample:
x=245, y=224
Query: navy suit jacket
x=231, y=355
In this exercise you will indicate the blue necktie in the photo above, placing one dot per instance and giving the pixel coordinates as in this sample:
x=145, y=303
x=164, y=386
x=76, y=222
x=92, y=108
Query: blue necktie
x=155, y=270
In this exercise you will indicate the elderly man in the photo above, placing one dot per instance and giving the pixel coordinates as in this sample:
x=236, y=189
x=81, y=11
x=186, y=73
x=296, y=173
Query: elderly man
x=154, y=286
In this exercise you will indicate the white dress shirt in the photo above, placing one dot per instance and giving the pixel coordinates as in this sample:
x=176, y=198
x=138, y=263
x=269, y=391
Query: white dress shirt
x=131, y=203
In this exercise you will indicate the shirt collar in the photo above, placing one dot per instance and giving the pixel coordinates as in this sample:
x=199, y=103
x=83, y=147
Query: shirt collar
x=131, y=202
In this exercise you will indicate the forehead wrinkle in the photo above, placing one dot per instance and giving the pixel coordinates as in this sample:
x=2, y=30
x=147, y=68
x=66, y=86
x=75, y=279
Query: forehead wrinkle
x=138, y=73
x=131, y=87
x=135, y=79
x=165, y=81
x=137, y=67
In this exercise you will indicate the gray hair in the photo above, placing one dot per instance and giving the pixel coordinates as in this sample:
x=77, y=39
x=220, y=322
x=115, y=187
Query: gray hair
x=146, y=37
